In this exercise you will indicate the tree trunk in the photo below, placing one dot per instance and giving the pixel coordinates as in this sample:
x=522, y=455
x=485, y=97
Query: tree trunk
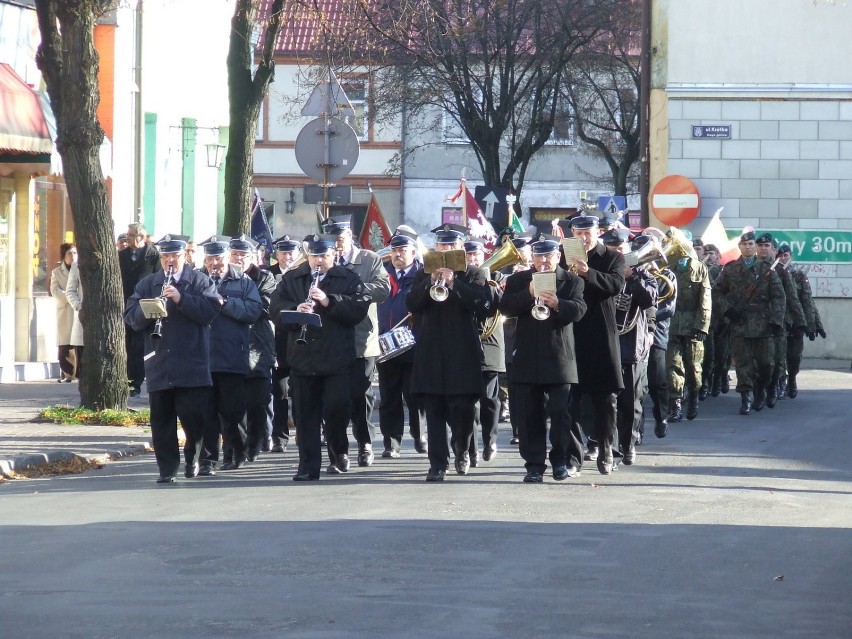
x=69, y=64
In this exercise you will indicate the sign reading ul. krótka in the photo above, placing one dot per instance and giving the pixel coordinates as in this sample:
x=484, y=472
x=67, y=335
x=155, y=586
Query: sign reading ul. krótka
x=821, y=246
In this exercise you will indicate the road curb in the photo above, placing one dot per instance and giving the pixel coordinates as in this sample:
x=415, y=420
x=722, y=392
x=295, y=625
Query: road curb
x=8, y=467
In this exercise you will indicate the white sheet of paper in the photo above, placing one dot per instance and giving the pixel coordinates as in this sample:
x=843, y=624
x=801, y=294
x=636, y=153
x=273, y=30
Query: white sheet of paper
x=573, y=247
x=544, y=282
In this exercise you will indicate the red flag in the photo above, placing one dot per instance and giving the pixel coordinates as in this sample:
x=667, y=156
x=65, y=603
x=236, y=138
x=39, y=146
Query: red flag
x=556, y=231
x=477, y=223
x=375, y=233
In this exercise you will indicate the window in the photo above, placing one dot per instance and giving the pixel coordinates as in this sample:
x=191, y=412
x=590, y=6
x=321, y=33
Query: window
x=358, y=92
x=451, y=130
x=563, y=125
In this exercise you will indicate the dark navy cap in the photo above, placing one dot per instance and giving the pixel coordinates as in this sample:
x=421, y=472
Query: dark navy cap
x=583, y=221
x=285, y=244
x=474, y=244
x=521, y=242
x=337, y=224
x=172, y=243
x=748, y=235
x=216, y=244
x=616, y=236
x=785, y=248
x=401, y=237
x=606, y=222
x=320, y=244
x=449, y=233
x=542, y=244
x=565, y=226
x=243, y=243
x=764, y=238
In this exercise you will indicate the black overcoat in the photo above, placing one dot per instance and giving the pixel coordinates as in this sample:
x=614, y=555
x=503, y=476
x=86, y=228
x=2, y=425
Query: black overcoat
x=132, y=271
x=447, y=360
x=598, y=353
x=544, y=349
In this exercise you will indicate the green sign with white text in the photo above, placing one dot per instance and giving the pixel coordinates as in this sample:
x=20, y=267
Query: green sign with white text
x=825, y=246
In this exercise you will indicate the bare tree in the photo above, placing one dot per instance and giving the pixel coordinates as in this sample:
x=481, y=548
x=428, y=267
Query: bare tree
x=603, y=88
x=69, y=64
x=246, y=90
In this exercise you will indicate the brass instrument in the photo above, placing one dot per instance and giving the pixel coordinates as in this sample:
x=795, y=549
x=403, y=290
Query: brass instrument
x=433, y=260
x=157, y=333
x=539, y=311
x=303, y=334
x=507, y=255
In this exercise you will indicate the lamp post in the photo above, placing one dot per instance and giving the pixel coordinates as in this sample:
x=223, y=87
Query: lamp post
x=215, y=155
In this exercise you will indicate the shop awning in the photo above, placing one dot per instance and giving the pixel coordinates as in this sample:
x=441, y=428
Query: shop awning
x=23, y=126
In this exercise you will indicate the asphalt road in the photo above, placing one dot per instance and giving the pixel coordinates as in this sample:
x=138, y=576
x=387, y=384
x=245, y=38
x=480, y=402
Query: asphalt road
x=730, y=527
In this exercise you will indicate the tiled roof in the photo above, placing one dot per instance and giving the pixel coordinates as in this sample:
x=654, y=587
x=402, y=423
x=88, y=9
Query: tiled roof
x=307, y=24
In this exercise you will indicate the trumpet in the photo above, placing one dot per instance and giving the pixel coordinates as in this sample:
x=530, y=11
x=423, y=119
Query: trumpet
x=539, y=310
x=303, y=334
x=157, y=333
x=439, y=291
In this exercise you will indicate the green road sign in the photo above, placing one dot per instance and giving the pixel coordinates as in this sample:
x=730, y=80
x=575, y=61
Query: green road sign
x=826, y=246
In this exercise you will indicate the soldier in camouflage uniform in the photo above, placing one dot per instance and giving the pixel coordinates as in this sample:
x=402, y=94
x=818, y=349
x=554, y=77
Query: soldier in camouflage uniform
x=813, y=326
x=751, y=296
x=689, y=327
x=708, y=366
x=794, y=317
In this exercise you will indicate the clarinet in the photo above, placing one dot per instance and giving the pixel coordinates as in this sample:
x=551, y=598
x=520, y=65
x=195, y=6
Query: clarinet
x=303, y=334
x=158, y=325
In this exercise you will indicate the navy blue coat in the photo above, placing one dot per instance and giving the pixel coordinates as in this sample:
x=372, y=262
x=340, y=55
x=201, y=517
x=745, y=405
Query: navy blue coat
x=181, y=357
x=229, y=340
x=393, y=309
x=261, y=335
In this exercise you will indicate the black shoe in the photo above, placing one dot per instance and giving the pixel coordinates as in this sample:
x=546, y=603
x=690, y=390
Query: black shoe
x=168, y=479
x=305, y=477
x=191, y=470
x=462, y=464
x=390, y=453
x=560, y=472
x=332, y=469
x=533, y=477
x=629, y=455
x=365, y=457
x=206, y=469
x=745, y=406
x=343, y=463
x=252, y=454
x=759, y=399
x=278, y=448
x=605, y=463
x=267, y=445
x=489, y=453
x=435, y=474
x=661, y=429
x=474, y=459
x=235, y=462
x=591, y=453
x=691, y=404
x=421, y=446
x=675, y=412
x=772, y=395
x=702, y=393
x=514, y=441
x=792, y=388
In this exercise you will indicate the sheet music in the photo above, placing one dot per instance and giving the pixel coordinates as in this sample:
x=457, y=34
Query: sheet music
x=544, y=282
x=573, y=247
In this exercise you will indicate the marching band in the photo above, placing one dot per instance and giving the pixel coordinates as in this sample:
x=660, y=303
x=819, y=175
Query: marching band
x=562, y=337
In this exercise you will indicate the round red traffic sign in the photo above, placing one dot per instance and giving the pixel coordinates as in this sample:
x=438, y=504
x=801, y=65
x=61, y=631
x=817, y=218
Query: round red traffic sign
x=675, y=200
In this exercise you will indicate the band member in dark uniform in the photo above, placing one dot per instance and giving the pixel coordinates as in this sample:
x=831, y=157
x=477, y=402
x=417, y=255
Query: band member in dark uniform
x=447, y=359
x=544, y=366
x=395, y=373
x=493, y=363
x=241, y=306
x=598, y=355
x=177, y=361
x=320, y=356
x=287, y=252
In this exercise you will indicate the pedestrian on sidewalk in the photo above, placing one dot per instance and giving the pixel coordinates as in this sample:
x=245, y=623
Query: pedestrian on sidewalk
x=64, y=312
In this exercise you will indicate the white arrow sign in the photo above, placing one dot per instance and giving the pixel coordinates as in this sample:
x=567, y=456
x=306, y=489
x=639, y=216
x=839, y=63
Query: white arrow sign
x=490, y=200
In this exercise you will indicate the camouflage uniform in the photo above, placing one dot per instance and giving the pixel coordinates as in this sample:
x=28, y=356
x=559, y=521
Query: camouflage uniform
x=713, y=342
x=795, y=339
x=689, y=326
x=752, y=324
x=794, y=322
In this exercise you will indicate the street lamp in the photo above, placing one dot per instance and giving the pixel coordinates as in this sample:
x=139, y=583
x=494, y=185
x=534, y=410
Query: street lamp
x=215, y=155
x=291, y=203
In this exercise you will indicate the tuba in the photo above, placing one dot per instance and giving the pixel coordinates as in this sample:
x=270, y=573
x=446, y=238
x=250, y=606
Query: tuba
x=506, y=255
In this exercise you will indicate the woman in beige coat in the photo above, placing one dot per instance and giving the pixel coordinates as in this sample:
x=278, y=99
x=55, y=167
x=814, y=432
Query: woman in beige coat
x=65, y=314
x=74, y=295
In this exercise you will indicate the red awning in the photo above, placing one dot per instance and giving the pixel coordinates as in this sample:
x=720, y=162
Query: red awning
x=23, y=128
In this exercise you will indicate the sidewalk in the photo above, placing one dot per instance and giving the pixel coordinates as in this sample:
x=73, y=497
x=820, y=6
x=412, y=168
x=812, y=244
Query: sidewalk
x=24, y=443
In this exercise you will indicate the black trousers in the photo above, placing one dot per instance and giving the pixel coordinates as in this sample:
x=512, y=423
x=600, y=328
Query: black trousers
x=487, y=411
x=318, y=399
x=258, y=396
x=658, y=383
x=230, y=405
x=361, y=388
x=280, y=405
x=629, y=403
x=394, y=387
x=192, y=406
x=532, y=405
x=134, y=342
x=602, y=429
x=455, y=411
x=795, y=347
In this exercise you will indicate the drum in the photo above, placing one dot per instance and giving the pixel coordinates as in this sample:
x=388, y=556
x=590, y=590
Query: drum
x=395, y=342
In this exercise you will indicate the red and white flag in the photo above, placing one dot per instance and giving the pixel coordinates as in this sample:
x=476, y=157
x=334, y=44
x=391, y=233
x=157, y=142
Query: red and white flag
x=716, y=234
x=375, y=233
x=477, y=223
